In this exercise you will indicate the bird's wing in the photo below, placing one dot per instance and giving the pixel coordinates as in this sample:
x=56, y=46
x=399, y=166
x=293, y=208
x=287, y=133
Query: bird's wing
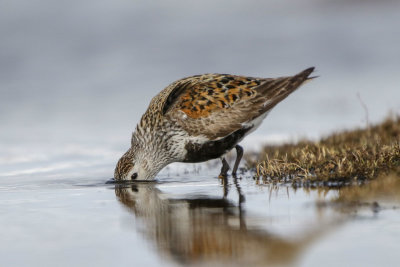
x=216, y=105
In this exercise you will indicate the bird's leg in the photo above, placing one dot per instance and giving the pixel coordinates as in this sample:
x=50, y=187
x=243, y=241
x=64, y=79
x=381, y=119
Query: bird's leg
x=224, y=169
x=239, y=155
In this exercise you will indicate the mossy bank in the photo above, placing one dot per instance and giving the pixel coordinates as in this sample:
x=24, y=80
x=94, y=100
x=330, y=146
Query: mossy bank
x=341, y=158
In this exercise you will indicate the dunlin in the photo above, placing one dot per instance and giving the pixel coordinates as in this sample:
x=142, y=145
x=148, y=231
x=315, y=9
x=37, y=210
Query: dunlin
x=202, y=117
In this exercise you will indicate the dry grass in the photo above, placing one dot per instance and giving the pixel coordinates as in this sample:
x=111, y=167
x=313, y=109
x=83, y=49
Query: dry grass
x=335, y=160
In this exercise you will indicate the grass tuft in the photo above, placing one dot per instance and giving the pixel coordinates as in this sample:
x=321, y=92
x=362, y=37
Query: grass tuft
x=338, y=159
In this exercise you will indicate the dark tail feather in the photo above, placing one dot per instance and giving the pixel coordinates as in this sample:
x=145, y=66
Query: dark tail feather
x=308, y=72
x=300, y=78
x=304, y=75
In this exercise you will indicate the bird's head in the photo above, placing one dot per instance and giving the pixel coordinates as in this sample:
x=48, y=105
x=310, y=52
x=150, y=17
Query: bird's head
x=133, y=165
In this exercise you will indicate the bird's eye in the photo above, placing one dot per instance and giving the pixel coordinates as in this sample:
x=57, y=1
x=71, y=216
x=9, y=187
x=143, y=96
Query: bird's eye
x=134, y=176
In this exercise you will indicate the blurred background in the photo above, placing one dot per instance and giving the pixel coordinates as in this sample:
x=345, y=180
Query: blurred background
x=76, y=76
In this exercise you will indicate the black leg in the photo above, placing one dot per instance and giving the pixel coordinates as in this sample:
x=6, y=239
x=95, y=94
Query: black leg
x=224, y=169
x=239, y=155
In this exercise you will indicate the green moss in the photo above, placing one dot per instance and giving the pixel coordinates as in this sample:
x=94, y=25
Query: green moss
x=344, y=157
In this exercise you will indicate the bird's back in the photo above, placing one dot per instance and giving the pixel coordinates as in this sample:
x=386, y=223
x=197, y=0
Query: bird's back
x=216, y=105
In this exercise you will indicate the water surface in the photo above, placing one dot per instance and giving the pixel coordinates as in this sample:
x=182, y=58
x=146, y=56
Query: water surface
x=194, y=220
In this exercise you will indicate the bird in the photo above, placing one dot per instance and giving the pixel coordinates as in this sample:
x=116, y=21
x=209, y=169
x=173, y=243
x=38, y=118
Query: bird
x=202, y=117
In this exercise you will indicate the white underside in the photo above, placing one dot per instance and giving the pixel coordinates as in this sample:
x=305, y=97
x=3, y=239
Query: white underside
x=254, y=123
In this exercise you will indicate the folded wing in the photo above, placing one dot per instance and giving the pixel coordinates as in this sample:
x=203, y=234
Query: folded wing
x=216, y=105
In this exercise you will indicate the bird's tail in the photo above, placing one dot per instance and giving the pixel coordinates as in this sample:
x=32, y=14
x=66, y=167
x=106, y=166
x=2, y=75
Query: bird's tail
x=302, y=78
x=307, y=73
x=274, y=91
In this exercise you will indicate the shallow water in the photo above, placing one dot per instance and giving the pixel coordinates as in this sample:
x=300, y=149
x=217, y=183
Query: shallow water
x=192, y=219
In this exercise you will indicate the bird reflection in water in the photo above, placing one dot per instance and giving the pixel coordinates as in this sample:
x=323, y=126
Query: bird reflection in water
x=206, y=230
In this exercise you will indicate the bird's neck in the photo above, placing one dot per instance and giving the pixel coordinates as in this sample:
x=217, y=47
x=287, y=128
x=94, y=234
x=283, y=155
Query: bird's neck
x=150, y=149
